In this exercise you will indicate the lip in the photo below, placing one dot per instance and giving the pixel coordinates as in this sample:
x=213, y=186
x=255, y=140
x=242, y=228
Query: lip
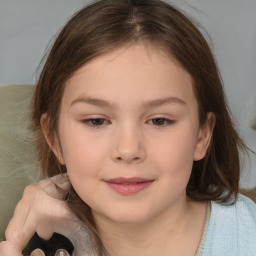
x=128, y=186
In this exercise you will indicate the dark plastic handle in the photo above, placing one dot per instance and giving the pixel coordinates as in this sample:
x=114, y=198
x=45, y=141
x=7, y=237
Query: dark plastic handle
x=49, y=247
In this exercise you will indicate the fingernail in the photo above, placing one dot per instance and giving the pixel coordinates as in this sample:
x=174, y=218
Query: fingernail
x=37, y=252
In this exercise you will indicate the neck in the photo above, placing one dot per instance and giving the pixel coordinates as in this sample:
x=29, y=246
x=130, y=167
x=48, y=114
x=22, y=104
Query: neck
x=163, y=235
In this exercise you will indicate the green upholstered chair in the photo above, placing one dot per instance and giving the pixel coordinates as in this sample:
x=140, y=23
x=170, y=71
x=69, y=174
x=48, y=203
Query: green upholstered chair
x=18, y=164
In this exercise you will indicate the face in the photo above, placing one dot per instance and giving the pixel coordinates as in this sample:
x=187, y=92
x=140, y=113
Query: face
x=129, y=133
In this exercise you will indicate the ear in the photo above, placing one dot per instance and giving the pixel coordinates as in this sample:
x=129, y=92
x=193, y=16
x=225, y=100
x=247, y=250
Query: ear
x=52, y=141
x=204, y=137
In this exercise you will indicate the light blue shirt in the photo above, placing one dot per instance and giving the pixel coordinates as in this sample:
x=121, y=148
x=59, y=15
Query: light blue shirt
x=232, y=229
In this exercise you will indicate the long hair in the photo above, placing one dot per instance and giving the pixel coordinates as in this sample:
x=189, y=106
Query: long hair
x=108, y=24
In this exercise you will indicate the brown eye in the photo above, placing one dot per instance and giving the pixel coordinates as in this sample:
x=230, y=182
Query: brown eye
x=161, y=121
x=95, y=121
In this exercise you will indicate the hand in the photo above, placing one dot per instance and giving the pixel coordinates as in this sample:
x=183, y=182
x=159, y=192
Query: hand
x=7, y=249
x=43, y=210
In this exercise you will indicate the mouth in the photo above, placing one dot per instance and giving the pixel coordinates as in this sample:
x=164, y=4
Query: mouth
x=128, y=186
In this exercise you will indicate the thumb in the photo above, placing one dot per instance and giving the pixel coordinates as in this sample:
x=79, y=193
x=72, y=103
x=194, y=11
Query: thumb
x=37, y=252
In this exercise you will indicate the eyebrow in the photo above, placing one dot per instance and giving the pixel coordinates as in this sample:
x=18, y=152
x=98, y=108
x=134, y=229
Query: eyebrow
x=149, y=104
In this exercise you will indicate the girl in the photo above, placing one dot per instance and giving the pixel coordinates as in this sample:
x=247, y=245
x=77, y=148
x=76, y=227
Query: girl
x=130, y=114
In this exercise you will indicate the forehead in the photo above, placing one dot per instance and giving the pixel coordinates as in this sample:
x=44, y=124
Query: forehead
x=144, y=52
x=140, y=71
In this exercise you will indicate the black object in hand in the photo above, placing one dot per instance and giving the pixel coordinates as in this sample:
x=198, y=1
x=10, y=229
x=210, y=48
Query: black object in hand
x=49, y=247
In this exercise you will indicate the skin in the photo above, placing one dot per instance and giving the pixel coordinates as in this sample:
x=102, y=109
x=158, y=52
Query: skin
x=43, y=210
x=132, y=136
x=126, y=141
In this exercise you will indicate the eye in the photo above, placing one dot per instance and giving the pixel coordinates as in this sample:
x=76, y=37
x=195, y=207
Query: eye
x=96, y=122
x=161, y=121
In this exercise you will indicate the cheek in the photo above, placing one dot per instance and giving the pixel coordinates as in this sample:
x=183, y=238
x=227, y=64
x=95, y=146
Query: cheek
x=83, y=154
x=174, y=165
x=84, y=159
x=175, y=153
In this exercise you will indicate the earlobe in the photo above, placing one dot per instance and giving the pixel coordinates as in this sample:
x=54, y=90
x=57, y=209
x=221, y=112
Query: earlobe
x=204, y=137
x=51, y=141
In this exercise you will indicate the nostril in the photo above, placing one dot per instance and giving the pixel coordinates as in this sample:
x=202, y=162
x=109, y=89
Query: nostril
x=127, y=158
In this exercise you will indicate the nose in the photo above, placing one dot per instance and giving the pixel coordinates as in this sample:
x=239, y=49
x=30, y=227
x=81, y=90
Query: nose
x=129, y=147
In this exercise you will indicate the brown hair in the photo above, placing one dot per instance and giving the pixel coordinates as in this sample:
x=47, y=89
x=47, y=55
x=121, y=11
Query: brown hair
x=108, y=24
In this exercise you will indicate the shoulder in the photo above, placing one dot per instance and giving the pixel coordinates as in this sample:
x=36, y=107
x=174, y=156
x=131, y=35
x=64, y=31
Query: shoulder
x=240, y=217
x=247, y=207
x=244, y=207
x=232, y=228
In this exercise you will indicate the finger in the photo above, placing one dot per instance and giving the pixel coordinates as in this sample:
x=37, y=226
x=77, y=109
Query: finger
x=15, y=229
x=61, y=220
x=60, y=178
x=56, y=186
x=8, y=249
x=37, y=252
x=23, y=225
x=57, y=179
x=18, y=238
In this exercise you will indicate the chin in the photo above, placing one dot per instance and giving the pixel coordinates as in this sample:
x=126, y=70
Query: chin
x=128, y=216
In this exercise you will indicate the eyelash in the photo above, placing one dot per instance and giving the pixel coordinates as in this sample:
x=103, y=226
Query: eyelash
x=90, y=121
